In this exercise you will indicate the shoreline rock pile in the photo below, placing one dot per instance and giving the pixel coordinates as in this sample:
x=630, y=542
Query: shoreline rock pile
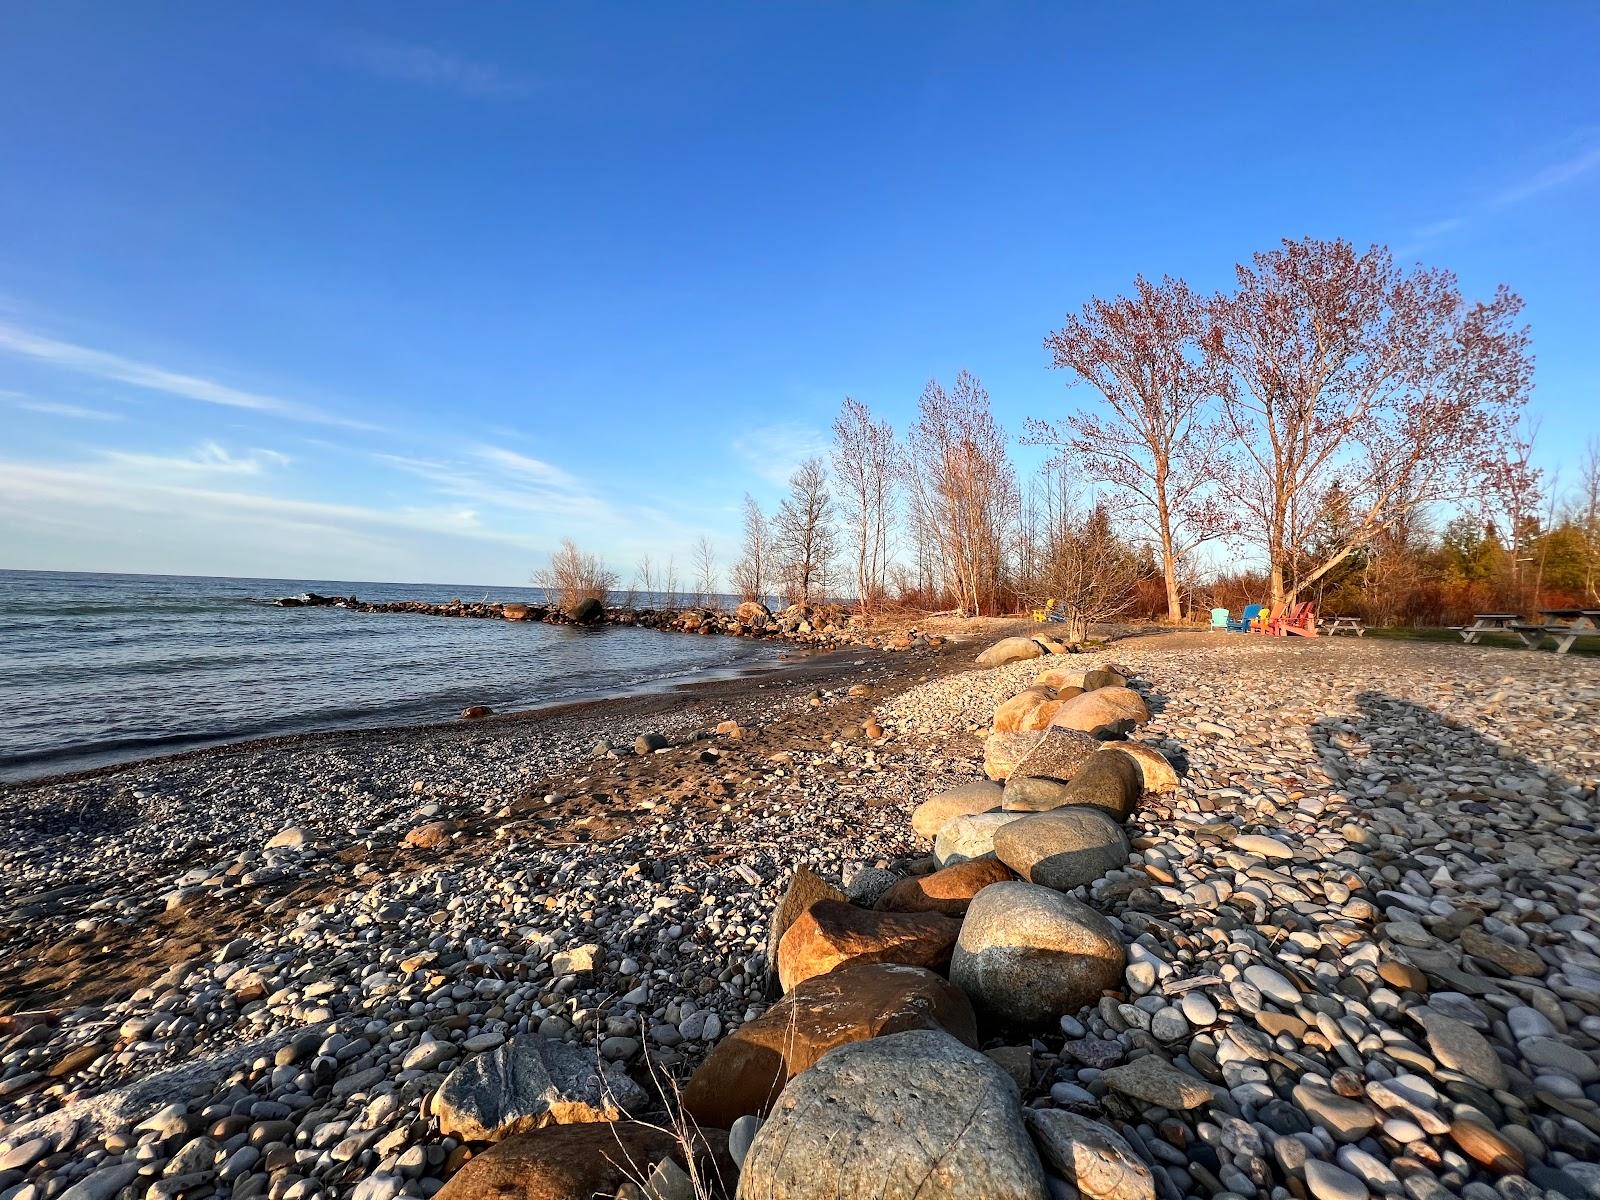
x=866, y=1077
x=818, y=625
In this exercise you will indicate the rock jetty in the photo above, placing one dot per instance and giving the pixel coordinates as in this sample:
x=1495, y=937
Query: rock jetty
x=820, y=625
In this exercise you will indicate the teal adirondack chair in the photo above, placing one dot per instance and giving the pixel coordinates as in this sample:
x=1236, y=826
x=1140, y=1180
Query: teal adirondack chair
x=1219, y=618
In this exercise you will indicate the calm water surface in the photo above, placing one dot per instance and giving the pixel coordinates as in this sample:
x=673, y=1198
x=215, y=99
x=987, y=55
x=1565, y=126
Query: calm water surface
x=102, y=668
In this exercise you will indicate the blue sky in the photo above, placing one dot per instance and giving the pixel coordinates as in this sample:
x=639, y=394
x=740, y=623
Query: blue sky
x=398, y=292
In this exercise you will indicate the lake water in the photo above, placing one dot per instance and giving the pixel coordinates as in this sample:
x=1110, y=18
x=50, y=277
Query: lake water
x=101, y=668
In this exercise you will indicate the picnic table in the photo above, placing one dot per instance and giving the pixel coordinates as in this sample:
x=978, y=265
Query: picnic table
x=1345, y=624
x=1483, y=623
x=1565, y=625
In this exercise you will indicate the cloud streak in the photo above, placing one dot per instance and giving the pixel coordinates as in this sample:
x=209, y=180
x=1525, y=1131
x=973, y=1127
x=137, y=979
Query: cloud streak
x=1549, y=178
x=432, y=67
x=774, y=452
x=101, y=364
x=52, y=408
x=1553, y=176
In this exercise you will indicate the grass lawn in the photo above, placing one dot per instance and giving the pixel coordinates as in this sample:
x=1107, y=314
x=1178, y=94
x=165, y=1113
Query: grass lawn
x=1510, y=640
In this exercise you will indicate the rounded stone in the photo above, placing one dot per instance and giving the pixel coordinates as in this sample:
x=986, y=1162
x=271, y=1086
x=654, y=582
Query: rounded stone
x=1027, y=954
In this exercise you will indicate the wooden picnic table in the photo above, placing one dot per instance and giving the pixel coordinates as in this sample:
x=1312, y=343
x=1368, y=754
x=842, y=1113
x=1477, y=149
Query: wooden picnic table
x=1483, y=623
x=1345, y=624
x=1567, y=625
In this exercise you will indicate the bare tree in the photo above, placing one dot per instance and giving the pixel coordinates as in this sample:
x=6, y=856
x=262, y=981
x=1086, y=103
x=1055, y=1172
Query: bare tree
x=803, y=534
x=1338, y=365
x=1587, y=518
x=1078, y=561
x=705, y=565
x=865, y=462
x=645, y=580
x=669, y=583
x=573, y=576
x=1153, y=435
x=1509, y=499
x=963, y=491
x=752, y=574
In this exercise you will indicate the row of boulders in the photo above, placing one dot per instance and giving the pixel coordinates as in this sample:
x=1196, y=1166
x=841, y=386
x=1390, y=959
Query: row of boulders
x=814, y=624
x=867, y=1077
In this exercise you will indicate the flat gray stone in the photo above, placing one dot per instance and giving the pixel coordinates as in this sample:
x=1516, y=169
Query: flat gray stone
x=528, y=1083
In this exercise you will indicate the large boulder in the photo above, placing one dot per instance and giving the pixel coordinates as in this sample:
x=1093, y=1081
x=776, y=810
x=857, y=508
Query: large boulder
x=1003, y=751
x=948, y=890
x=932, y=815
x=1093, y=1157
x=577, y=1162
x=911, y=1114
x=1030, y=708
x=1110, y=710
x=1062, y=849
x=753, y=614
x=1035, y=793
x=1086, y=680
x=1010, y=650
x=805, y=888
x=1111, y=781
x=515, y=612
x=832, y=933
x=967, y=838
x=1156, y=773
x=1056, y=755
x=750, y=1066
x=526, y=1083
x=1028, y=954
x=587, y=611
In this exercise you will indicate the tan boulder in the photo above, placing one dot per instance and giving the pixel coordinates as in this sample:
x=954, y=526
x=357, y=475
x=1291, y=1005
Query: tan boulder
x=576, y=1162
x=948, y=890
x=750, y=1066
x=1083, y=678
x=1156, y=772
x=832, y=933
x=1107, y=780
x=1063, y=849
x=1111, y=709
x=932, y=815
x=1003, y=751
x=1010, y=650
x=1010, y=715
x=1057, y=754
x=514, y=612
x=431, y=836
x=805, y=888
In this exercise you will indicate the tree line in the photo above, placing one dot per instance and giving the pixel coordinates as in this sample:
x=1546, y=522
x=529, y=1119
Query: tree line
x=1342, y=421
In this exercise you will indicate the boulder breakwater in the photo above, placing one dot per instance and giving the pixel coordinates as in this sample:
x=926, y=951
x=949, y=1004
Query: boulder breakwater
x=818, y=625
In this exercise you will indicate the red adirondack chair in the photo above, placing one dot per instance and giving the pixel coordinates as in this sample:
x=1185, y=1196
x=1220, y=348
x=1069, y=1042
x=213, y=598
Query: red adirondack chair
x=1298, y=620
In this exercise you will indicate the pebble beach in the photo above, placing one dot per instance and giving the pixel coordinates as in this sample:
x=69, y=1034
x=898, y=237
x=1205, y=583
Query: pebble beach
x=1361, y=938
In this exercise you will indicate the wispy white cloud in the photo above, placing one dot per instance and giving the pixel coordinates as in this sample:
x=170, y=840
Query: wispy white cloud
x=431, y=66
x=1548, y=178
x=207, y=458
x=76, y=412
x=27, y=488
x=1555, y=175
x=775, y=451
x=522, y=464
x=101, y=364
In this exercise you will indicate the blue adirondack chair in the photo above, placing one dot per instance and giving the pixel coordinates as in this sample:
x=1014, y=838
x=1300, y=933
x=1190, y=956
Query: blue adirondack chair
x=1242, y=625
x=1219, y=618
